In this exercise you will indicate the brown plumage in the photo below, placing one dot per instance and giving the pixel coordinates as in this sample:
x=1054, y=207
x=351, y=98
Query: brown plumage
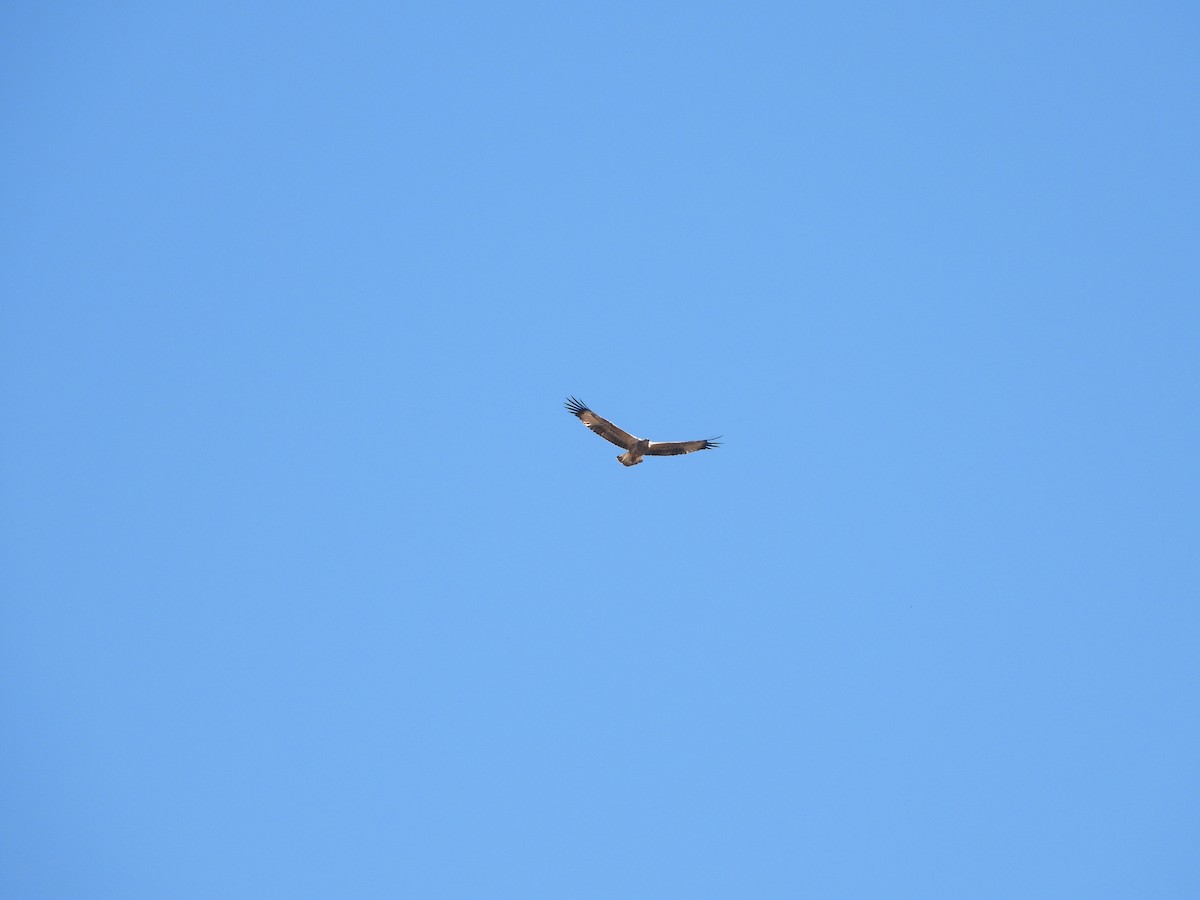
x=635, y=448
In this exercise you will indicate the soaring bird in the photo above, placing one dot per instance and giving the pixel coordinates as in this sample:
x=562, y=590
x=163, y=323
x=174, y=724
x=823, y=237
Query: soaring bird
x=635, y=448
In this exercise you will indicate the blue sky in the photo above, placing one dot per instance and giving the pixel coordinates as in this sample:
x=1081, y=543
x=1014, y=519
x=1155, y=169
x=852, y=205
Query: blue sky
x=312, y=588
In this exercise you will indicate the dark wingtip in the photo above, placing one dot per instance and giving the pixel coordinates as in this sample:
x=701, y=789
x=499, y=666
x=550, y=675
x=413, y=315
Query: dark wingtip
x=575, y=407
x=713, y=443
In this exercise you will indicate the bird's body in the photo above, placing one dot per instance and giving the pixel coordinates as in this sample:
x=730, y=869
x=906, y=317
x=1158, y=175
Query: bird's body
x=634, y=454
x=635, y=448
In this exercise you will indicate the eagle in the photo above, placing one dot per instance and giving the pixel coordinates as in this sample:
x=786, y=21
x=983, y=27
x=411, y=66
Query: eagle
x=635, y=448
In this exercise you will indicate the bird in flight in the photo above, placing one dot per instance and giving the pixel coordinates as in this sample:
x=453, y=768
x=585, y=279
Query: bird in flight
x=635, y=448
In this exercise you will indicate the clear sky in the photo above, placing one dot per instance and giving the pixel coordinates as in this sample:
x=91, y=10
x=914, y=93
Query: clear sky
x=312, y=588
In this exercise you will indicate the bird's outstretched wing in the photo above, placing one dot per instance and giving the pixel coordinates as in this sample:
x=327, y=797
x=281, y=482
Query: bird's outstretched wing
x=602, y=426
x=676, y=448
